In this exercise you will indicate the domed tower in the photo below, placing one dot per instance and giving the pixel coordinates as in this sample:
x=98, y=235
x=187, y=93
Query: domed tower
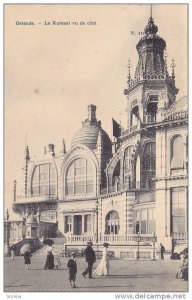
x=152, y=89
x=96, y=139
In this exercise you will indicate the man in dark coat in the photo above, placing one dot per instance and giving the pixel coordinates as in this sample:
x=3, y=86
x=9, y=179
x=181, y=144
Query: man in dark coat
x=162, y=251
x=90, y=259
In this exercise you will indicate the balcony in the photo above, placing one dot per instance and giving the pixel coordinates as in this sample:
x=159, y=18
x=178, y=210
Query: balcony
x=144, y=197
x=112, y=239
x=150, y=118
x=36, y=198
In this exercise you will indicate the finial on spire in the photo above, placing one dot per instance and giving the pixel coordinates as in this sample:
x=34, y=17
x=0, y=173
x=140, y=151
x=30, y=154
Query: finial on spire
x=63, y=150
x=27, y=157
x=25, y=139
x=129, y=72
x=151, y=6
x=173, y=65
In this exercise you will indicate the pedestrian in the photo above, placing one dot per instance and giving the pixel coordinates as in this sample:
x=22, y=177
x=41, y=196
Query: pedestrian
x=13, y=249
x=57, y=261
x=27, y=259
x=103, y=267
x=90, y=259
x=49, y=264
x=72, y=265
x=161, y=250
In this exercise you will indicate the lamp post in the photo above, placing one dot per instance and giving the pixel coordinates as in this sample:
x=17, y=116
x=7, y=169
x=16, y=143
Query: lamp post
x=97, y=211
x=154, y=240
x=138, y=240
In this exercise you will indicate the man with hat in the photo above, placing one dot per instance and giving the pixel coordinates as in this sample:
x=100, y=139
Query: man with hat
x=90, y=259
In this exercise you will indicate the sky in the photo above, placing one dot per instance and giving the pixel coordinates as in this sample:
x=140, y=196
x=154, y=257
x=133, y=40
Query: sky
x=53, y=72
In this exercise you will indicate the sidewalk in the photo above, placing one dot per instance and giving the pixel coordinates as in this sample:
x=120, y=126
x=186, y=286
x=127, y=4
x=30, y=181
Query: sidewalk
x=125, y=276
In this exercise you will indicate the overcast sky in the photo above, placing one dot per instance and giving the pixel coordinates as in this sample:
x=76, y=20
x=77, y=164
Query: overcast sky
x=52, y=73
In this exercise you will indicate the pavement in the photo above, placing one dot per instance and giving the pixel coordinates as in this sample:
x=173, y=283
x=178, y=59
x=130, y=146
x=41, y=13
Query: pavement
x=125, y=276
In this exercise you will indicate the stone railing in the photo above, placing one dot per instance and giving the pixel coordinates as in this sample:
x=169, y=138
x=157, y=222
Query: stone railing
x=180, y=236
x=177, y=115
x=34, y=198
x=77, y=239
x=130, y=239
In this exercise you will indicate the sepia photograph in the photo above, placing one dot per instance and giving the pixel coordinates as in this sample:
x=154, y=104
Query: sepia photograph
x=96, y=148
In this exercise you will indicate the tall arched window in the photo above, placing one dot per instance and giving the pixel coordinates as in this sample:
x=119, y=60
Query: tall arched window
x=43, y=180
x=177, y=153
x=127, y=167
x=115, y=178
x=149, y=165
x=112, y=222
x=80, y=177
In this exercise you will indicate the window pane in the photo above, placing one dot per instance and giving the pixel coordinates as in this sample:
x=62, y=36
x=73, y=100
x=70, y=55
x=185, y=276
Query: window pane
x=80, y=176
x=177, y=149
x=143, y=227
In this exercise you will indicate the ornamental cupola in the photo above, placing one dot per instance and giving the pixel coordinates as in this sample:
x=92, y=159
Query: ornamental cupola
x=152, y=90
x=89, y=132
x=150, y=49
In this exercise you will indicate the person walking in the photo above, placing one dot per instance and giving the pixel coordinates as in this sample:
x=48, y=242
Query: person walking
x=90, y=259
x=72, y=265
x=13, y=249
x=162, y=251
x=27, y=259
x=103, y=267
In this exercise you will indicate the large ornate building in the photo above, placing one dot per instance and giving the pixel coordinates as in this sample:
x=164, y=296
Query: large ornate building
x=130, y=190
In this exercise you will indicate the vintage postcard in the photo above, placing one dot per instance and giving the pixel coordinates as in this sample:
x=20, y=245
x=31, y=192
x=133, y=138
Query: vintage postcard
x=96, y=149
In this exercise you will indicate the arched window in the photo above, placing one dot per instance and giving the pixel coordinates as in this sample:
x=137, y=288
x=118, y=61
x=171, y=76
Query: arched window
x=137, y=172
x=112, y=222
x=127, y=167
x=43, y=180
x=149, y=165
x=80, y=177
x=116, y=177
x=177, y=153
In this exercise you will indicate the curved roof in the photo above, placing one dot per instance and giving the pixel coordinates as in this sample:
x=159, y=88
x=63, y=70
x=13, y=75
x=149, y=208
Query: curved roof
x=91, y=132
x=179, y=109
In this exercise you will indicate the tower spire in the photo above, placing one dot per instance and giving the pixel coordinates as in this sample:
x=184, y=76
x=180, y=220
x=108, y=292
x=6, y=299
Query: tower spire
x=151, y=8
x=129, y=72
x=63, y=150
x=173, y=65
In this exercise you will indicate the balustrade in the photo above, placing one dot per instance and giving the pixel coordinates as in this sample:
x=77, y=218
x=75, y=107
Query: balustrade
x=111, y=239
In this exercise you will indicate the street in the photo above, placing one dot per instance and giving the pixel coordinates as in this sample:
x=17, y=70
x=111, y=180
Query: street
x=125, y=276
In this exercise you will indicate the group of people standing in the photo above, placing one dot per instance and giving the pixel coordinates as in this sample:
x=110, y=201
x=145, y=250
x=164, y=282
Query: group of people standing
x=53, y=260
x=101, y=270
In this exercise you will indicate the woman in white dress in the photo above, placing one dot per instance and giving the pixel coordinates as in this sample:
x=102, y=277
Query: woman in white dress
x=103, y=267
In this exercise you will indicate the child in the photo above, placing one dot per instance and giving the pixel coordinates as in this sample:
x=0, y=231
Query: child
x=57, y=261
x=27, y=259
x=72, y=265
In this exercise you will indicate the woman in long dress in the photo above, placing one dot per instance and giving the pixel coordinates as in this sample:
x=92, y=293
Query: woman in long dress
x=103, y=267
x=49, y=264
